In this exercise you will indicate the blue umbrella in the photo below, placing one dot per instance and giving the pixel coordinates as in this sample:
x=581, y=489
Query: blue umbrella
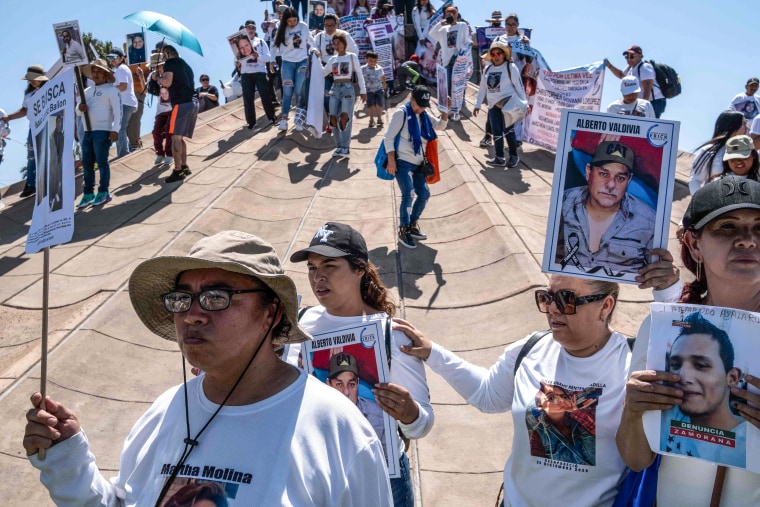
x=168, y=27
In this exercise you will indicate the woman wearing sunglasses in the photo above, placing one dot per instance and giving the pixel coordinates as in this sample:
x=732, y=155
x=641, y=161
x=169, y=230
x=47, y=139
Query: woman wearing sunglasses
x=721, y=248
x=565, y=394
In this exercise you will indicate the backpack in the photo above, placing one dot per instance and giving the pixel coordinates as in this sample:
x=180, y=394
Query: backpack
x=667, y=79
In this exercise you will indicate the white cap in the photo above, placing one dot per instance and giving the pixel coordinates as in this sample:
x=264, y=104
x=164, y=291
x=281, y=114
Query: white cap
x=629, y=84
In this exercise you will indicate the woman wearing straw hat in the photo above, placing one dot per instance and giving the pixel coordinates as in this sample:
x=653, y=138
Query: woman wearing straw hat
x=271, y=433
x=350, y=292
x=35, y=76
x=103, y=105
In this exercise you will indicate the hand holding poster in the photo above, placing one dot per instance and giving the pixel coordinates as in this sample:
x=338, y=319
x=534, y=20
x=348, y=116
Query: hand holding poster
x=352, y=360
x=611, y=195
x=51, y=118
x=69, y=39
x=711, y=349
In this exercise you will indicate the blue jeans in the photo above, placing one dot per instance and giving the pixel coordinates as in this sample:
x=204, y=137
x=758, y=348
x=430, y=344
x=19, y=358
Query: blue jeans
x=496, y=121
x=302, y=14
x=403, y=494
x=659, y=106
x=342, y=98
x=328, y=87
x=31, y=162
x=409, y=179
x=122, y=145
x=95, y=146
x=293, y=75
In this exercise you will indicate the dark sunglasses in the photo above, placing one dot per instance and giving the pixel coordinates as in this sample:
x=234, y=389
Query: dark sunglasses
x=204, y=79
x=566, y=300
x=212, y=300
x=630, y=56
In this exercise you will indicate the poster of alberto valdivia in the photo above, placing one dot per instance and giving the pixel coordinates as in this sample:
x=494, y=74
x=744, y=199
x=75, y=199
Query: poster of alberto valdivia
x=611, y=195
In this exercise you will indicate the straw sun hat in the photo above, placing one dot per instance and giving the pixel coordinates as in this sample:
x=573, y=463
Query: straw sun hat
x=234, y=251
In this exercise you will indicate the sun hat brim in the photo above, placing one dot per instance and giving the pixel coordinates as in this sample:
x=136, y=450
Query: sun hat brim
x=158, y=276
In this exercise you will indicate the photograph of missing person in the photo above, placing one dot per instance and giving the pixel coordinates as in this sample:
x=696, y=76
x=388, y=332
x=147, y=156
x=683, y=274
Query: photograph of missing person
x=317, y=15
x=55, y=195
x=562, y=424
x=611, y=195
x=41, y=156
x=240, y=45
x=711, y=350
x=352, y=360
x=187, y=492
x=136, y=50
x=69, y=40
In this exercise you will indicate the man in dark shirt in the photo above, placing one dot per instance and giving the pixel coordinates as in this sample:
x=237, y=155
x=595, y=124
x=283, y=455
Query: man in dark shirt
x=208, y=95
x=177, y=76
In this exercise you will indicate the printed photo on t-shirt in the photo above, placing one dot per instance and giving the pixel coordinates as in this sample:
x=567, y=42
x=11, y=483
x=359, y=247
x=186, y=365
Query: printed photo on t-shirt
x=344, y=68
x=493, y=81
x=297, y=40
x=451, y=38
x=561, y=423
x=190, y=491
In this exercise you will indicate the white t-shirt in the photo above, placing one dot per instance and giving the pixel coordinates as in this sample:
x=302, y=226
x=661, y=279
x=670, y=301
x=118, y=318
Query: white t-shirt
x=452, y=38
x=406, y=370
x=103, y=108
x=699, y=176
x=643, y=71
x=306, y=445
x=496, y=84
x=747, y=105
x=251, y=66
x=124, y=75
x=324, y=43
x=295, y=47
x=597, y=383
x=683, y=481
x=344, y=67
x=639, y=107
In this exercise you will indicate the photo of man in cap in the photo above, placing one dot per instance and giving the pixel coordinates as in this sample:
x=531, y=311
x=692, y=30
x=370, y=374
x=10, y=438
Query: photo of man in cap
x=273, y=434
x=603, y=227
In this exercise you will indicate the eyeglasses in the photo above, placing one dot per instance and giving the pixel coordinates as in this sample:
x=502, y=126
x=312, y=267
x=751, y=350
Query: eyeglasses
x=212, y=300
x=566, y=300
x=204, y=79
x=630, y=56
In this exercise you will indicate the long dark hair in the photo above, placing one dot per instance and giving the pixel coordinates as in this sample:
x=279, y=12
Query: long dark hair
x=429, y=7
x=374, y=293
x=726, y=124
x=288, y=13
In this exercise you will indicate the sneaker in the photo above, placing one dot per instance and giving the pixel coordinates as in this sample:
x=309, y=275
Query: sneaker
x=415, y=232
x=380, y=123
x=159, y=160
x=455, y=117
x=497, y=161
x=486, y=142
x=86, y=200
x=372, y=123
x=169, y=160
x=338, y=153
x=346, y=152
x=175, y=176
x=28, y=191
x=283, y=125
x=101, y=198
x=405, y=238
x=328, y=129
x=185, y=170
x=299, y=127
x=513, y=161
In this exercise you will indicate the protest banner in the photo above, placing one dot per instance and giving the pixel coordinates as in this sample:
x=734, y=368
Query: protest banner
x=443, y=91
x=711, y=349
x=353, y=359
x=460, y=75
x=70, y=46
x=611, y=194
x=136, y=50
x=485, y=35
x=354, y=25
x=430, y=57
x=578, y=88
x=380, y=32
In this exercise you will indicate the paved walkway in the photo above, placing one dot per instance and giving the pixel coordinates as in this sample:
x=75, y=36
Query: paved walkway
x=468, y=287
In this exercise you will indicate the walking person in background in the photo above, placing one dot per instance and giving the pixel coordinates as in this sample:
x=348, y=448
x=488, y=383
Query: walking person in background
x=454, y=37
x=421, y=15
x=126, y=87
x=35, y=77
x=253, y=76
x=630, y=104
x=104, y=109
x=139, y=73
x=292, y=45
x=409, y=131
x=644, y=71
x=708, y=159
x=374, y=78
x=162, y=140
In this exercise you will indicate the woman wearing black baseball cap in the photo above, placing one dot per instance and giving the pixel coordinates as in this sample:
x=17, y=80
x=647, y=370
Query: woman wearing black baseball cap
x=721, y=247
x=349, y=290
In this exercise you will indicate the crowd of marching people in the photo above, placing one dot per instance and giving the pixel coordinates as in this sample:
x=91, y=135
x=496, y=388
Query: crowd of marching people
x=234, y=313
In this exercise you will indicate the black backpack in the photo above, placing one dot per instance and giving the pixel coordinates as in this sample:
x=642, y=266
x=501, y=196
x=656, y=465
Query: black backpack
x=667, y=79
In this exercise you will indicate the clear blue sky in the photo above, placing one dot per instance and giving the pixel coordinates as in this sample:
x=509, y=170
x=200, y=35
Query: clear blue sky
x=695, y=37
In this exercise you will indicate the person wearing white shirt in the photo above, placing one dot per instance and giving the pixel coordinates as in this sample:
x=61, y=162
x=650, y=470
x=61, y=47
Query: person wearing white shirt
x=126, y=86
x=454, y=37
x=253, y=76
x=644, y=71
x=631, y=104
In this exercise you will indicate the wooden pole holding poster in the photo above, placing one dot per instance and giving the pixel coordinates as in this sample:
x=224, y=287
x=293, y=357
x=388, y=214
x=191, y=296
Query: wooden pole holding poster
x=44, y=342
x=80, y=85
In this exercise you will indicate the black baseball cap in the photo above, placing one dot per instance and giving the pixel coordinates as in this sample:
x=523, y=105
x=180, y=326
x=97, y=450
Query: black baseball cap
x=250, y=22
x=342, y=362
x=614, y=152
x=421, y=95
x=719, y=197
x=335, y=240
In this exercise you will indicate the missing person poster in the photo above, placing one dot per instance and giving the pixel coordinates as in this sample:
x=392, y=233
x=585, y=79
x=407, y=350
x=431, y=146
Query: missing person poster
x=240, y=45
x=50, y=111
x=711, y=349
x=70, y=46
x=611, y=194
x=352, y=360
x=136, y=50
x=442, y=89
x=387, y=43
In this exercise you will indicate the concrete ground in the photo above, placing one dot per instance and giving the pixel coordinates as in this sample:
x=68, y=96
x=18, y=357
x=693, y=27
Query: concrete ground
x=469, y=286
